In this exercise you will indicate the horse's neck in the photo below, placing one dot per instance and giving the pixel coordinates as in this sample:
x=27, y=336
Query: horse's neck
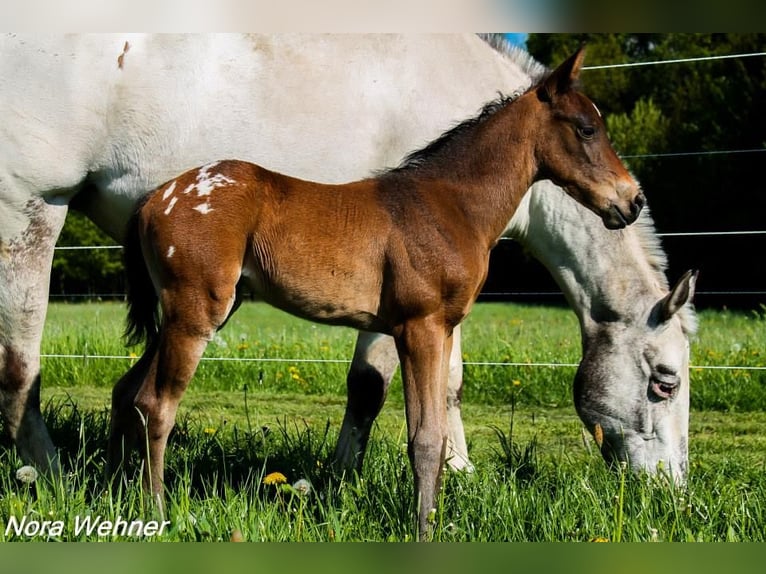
x=605, y=275
x=485, y=181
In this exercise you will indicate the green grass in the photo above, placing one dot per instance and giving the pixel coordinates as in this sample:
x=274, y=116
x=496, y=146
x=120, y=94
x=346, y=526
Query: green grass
x=239, y=422
x=492, y=333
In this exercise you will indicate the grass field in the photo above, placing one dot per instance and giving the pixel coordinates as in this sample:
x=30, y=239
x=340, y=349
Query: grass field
x=540, y=481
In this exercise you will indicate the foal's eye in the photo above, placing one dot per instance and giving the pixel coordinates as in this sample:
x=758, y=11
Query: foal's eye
x=586, y=132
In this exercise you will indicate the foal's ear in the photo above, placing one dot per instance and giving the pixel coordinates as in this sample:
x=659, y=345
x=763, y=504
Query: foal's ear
x=562, y=78
x=681, y=294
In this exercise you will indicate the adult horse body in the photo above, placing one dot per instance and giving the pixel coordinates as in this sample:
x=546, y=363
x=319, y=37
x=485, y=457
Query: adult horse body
x=404, y=253
x=100, y=120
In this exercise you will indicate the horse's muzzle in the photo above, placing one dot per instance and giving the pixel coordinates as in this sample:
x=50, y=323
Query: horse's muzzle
x=617, y=218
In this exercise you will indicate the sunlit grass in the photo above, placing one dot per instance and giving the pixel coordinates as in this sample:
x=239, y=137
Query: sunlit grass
x=219, y=486
x=280, y=350
x=542, y=480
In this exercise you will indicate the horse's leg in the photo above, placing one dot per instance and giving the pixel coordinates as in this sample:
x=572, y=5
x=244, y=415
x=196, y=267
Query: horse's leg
x=424, y=348
x=124, y=430
x=457, y=449
x=372, y=368
x=25, y=264
x=191, y=316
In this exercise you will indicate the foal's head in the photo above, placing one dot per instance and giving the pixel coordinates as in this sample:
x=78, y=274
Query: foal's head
x=574, y=152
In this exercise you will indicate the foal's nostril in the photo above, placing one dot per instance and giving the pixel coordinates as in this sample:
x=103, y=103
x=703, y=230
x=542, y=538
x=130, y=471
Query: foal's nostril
x=637, y=205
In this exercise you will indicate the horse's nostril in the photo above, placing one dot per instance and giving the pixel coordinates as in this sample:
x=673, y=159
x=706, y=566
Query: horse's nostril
x=638, y=204
x=664, y=389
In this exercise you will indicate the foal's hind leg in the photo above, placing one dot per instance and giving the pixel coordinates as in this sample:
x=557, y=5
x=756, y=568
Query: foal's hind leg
x=191, y=316
x=124, y=425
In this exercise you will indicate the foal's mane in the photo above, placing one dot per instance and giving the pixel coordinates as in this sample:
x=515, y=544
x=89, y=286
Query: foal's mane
x=421, y=157
x=530, y=67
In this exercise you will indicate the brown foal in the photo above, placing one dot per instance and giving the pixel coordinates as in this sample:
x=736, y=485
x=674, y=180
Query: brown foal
x=404, y=253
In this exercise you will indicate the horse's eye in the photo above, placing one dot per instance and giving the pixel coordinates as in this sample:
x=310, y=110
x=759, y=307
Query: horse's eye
x=586, y=132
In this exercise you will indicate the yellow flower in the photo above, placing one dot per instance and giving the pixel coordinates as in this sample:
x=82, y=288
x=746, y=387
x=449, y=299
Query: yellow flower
x=599, y=539
x=516, y=383
x=209, y=430
x=274, y=478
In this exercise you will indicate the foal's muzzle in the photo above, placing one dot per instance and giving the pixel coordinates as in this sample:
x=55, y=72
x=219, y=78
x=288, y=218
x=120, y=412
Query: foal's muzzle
x=617, y=217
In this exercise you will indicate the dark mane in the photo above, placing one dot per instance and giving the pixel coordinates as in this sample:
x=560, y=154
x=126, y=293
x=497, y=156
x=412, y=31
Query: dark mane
x=532, y=69
x=420, y=157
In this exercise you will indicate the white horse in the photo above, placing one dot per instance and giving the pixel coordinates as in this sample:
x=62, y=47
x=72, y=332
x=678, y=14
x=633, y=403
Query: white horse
x=99, y=120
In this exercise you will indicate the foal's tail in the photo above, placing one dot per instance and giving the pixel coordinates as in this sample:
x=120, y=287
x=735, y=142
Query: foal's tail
x=143, y=303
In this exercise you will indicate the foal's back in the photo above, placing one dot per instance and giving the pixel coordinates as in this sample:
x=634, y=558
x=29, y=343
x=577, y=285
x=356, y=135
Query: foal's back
x=229, y=221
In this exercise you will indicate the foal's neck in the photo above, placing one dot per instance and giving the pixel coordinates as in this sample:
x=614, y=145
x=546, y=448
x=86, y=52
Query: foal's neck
x=485, y=165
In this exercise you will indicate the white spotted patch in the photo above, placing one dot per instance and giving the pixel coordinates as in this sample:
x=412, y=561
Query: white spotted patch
x=170, y=205
x=206, y=183
x=169, y=191
x=205, y=186
x=171, y=250
x=203, y=208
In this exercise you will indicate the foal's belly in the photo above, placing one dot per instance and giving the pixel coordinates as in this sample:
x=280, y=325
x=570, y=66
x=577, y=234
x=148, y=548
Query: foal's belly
x=324, y=297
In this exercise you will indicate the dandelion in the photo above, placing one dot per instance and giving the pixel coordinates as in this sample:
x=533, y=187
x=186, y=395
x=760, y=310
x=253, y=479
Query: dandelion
x=236, y=535
x=209, y=430
x=27, y=474
x=243, y=347
x=302, y=487
x=274, y=478
x=599, y=539
x=516, y=383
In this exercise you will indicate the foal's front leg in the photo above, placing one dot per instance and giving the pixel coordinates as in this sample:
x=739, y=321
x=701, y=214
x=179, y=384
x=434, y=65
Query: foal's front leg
x=372, y=368
x=424, y=347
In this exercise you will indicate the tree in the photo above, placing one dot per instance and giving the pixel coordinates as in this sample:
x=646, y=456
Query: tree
x=89, y=271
